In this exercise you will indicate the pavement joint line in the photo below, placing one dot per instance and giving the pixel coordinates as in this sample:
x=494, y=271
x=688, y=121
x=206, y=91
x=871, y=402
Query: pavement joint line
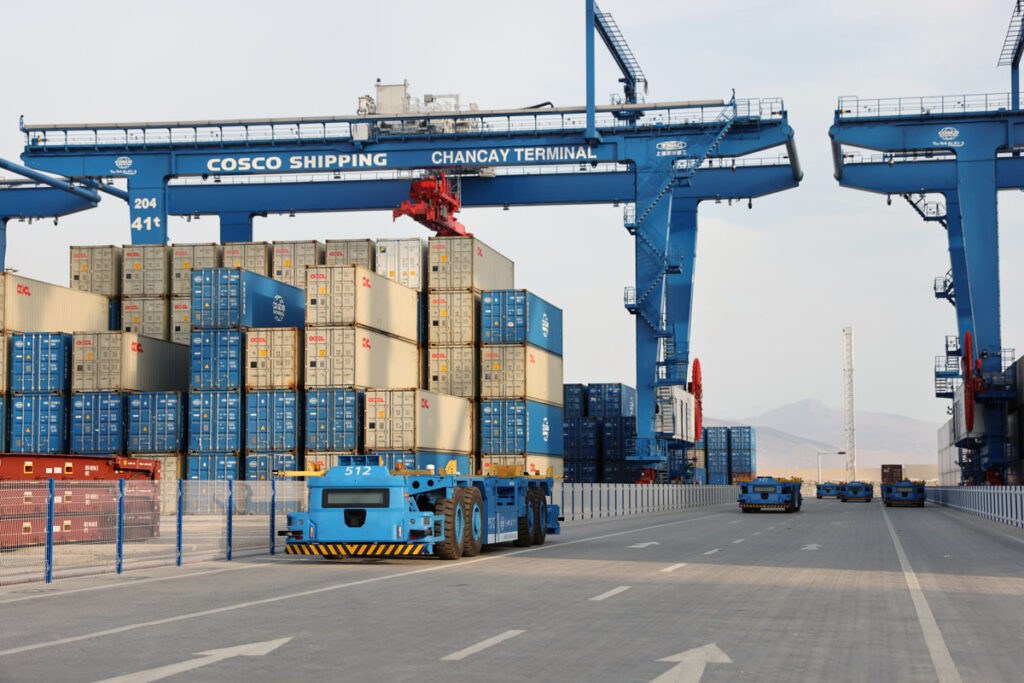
x=945, y=667
x=327, y=589
x=671, y=568
x=608, y=594
x=482, y=645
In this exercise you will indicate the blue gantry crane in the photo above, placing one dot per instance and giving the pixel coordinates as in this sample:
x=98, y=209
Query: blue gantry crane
x=962, y=149
x=660, y=160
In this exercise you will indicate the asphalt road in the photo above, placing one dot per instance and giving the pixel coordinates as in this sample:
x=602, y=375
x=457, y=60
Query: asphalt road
x=838, y=592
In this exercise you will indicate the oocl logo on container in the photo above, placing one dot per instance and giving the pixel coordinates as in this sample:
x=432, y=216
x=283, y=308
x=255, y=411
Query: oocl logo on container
x=545, y=429
x=23, y=289
x=545, y=325
x=278, y=308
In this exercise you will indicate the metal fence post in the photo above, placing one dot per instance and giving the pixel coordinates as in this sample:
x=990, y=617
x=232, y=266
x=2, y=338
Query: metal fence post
x=120, y=525
x=181, y=514
x=592, y=500
x=273, y=513
x=231, y=513
x=48, y=566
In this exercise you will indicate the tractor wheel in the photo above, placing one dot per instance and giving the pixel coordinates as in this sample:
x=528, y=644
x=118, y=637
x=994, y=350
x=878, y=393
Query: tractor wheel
x=474, y=534
x=527, y=524
x=540, y=515
x=453, y=511
x=819, y=497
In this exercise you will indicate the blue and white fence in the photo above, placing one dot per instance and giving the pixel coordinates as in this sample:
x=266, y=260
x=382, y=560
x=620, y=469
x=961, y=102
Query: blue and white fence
x=998, y=503
x=585, y=502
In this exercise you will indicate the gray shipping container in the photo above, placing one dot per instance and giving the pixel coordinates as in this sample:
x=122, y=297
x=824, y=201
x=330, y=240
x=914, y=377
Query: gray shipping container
x=453, y=370
x=351, y=295
x=148, y=317
x=521, y=371
x=181, y=320
x=417, y=420
x=146, y=271
x=402, y=260
x=37, y=306
x=254, y=256
x=350, y=252
x=359, y=357
x=273, y=358
x=291, y=258
x=96, y=269
x=125, y=361
x=188, y=257
x=466, y=263
x=453, y=317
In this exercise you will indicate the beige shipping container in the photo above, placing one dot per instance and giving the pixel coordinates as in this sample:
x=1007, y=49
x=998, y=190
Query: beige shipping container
x=466, y=263
x=453, y=317
x=37, y=306
x=402, y=260
x=146, y=271
x=188, y=257
x=291, y=258
x=148, y=317
x=96, y=269
x=170, y=472
x=521, y=371
x=273, y=358
x=181, y=320
x=417, y=420
x=530, y=465
x=254, y=256
x=125, y=361
x=452, y=370
x=350, y=253
x=359, y=357
x=352, y=295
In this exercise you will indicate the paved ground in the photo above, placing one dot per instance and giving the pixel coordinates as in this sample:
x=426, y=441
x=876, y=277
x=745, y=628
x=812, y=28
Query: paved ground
x=839, y=592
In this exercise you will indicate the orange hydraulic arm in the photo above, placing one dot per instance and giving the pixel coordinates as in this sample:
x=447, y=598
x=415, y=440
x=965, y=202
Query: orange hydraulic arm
x=434, y=204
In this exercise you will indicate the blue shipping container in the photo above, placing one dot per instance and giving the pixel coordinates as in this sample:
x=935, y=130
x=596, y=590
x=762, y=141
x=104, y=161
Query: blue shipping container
x=234, y=298
x=581, y=438
x=620, y=472
x=217, y=359
x=272, y=420
x=743, y=462
x=742, y=438
x=211, y=467
x=580, y=471
x=154, y=422
x=574, y=400
x=215, y=422
x=516, y=316
x=334, y=420
x=718, y=462
x=514, y=427
x=611, y=400
x=97, y=423
x=718, y=479
x=39, y=423
x=4, y=431
x=617, y=436
x=41, y=362
x=114, y=317
x=700, y=476
x=261, y=466
x=717, y=438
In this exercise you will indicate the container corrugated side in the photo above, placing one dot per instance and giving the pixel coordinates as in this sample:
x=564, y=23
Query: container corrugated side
x=36, y=306
x=290, y=259
x=146, y=270
x=97, y=424
x=188, y=257
x=514, y=427
x=216, y=359
x=522, y=372
x=148, y=317
x=351, y=295
x=211, y=467
x=170, y=473
x=334, y=419
x=251, y=256
x=261, y=466
x=5, y=403
x=181, y=320
x=273, y=358
x=581, y=438
x=272, y=420
x=529, y=464
x=417, y=420
x=467, y=263
x=233, y=298
x=610, y=400
x=617, y=434
x=124, y=361
x=4, y=375
x=402, y=260
x=581, y=472
x=574, y=400
x=516, y=316
x=620, y=472
x=453, y=370
x=359, y=357
x=215, y=422
x=40, y=362
x=452, y=317
x=358, y=252
x=96, y=269
x=39, y=423
x=155, y=422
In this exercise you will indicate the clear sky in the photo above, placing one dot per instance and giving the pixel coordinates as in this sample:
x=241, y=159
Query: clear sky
x=774, y=285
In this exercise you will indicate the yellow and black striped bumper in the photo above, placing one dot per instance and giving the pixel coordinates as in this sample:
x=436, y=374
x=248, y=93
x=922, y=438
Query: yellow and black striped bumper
x=761, y=507
x=355, y=549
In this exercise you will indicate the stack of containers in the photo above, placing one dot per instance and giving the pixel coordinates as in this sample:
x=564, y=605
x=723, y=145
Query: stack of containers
x=40, y=383
x=146, y=289
x=273, y=400
x=251, y=256
x=581, y=437
x=97, y=269
x=226, y=304
x=698, y=458
x=520, y=382
x=404, y=261
x=419, y=429
x=716, y=443
x=742, y=454
x=361, y=331
x=614, y=407
x=291, y=258
x=358, y=252
x=184, y=259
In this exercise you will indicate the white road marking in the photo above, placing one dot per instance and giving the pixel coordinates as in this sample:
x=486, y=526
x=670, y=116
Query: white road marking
x=691, y=664
x=739, y=540
x=644, y=545
x=672, y=568
x=771, y=528
x=945, y=668
x=812, y=546
x=710, y=552
x=735, y=521
x=482, y=645
x=608, y=594
x=328, y=589
x=756, y=533
x=204, y=659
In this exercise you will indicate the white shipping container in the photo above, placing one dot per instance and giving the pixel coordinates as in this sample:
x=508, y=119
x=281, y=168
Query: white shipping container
x=674, y=413
x=417, y=420
x=37, y=306
x=350, y=253
x=148, y=317
x=453, y=317
x=467, y=263
x=273, y=358
x=170, y=472
x=530, y=465
x=3, y=366
x=960, y=430
x=254, y=256
x=402, y=260
x=146, y=270
x=359, y=357
x=96, y=269
x=352, y=295
x=291, y=258
x=125, y=361
x=181, y=320
x=521, y=371
x=452, y=370
x=188, y=257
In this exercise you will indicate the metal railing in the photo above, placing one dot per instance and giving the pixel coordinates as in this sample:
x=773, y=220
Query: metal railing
x=587, y=502
x=1003, y=504
x=853, y=107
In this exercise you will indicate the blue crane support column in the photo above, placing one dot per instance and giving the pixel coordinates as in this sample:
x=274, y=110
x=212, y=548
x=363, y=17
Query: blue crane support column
x=235, y=226
x=682, y=249
x=591, y=131
x=958, y=266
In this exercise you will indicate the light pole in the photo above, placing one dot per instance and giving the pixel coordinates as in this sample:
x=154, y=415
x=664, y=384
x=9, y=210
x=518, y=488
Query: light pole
x=821, y=453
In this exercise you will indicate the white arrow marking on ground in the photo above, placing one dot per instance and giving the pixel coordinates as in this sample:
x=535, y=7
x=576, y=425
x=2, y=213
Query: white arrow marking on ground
x=204, y=659
x=691, y=664
x=812, y=546
x=644, y=545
